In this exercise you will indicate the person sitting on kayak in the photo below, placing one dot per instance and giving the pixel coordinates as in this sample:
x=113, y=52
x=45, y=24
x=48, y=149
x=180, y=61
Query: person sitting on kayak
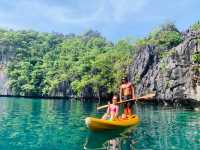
x=112, y=110
x=127, y=111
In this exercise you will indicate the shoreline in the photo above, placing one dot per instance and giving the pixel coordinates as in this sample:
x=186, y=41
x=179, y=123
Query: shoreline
x=178, y=102
x=52, y=97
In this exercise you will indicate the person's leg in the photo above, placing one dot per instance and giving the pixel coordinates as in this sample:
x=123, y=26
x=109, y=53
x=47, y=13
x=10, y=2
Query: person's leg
x=105, y=116
x=131, y=103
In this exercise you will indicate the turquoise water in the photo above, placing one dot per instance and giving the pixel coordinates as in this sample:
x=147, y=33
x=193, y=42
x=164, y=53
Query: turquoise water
x=59, y=124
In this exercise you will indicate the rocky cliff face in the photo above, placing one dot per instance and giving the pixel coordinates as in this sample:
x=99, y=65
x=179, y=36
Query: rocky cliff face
x=170, y=73
x=3, y=86
x=5, y=56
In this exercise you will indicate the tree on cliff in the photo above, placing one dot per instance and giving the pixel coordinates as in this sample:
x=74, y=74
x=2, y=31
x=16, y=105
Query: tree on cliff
x=43, y=62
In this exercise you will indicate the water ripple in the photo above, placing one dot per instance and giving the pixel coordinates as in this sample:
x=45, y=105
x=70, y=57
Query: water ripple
x=59, y=125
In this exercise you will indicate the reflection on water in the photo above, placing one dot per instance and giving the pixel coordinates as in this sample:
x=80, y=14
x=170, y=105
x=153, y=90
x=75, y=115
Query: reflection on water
x=110, y=140
x=59, y=125
x=160, y=128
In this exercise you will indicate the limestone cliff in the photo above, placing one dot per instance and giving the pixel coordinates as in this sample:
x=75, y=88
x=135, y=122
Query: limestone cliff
x=170, y=73
x=5, y=56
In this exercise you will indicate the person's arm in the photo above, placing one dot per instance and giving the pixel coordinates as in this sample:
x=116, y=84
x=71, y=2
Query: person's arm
x=117, y=111
x=133, y=92
x=120, y=94
x=108, y=109
x=105, y=116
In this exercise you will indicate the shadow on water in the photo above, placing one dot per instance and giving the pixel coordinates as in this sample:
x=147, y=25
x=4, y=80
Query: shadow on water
x=116, y=139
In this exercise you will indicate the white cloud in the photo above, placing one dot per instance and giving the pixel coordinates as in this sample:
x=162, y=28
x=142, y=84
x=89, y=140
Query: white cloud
x=104, y=11
x=124, y=8
x=111, y=17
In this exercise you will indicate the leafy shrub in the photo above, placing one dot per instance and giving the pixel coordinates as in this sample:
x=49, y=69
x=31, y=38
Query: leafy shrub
x=164, y=54
x=196, y=58
x=196, y=26
x=164, y=36
x=44, y=61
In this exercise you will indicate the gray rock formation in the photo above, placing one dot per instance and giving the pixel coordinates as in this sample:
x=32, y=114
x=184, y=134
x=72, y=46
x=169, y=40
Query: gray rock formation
x=4, y=89
x=5, y=55
x=169, y=72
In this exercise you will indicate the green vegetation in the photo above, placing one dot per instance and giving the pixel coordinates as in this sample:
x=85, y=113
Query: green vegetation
x=196, y=70
x=164, y=54
x=163, y=66
x=137, y=79
x=43, y=62
x=196, y=26
x=49, y=63
x=168, y=84
x=165, y=36
x=196, y=58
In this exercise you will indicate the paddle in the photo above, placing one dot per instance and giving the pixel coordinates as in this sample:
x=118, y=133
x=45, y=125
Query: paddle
x=148, y=96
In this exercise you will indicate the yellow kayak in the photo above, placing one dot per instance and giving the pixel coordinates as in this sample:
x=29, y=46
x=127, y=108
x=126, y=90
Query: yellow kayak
x=96, y=124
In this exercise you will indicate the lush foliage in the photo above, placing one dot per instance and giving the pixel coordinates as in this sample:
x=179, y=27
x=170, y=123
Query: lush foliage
x=43, y=62
x=165, y=36
x=196, y=26
x=49, y=63
x=196, y=58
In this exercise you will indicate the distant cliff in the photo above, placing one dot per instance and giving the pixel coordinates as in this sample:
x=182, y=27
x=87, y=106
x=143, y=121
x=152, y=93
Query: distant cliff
x=172, y=73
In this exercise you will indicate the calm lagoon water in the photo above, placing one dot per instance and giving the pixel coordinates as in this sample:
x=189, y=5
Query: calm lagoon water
x=34, y=124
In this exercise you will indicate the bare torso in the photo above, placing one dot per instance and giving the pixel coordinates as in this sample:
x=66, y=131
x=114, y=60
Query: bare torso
x=126, y=89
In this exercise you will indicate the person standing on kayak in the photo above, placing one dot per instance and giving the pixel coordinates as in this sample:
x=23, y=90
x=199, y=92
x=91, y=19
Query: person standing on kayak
x=127, y=91
x=127, y=110
x=112, y=110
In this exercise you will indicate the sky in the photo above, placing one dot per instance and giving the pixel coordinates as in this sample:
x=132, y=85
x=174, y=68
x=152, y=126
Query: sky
x=114, y=19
